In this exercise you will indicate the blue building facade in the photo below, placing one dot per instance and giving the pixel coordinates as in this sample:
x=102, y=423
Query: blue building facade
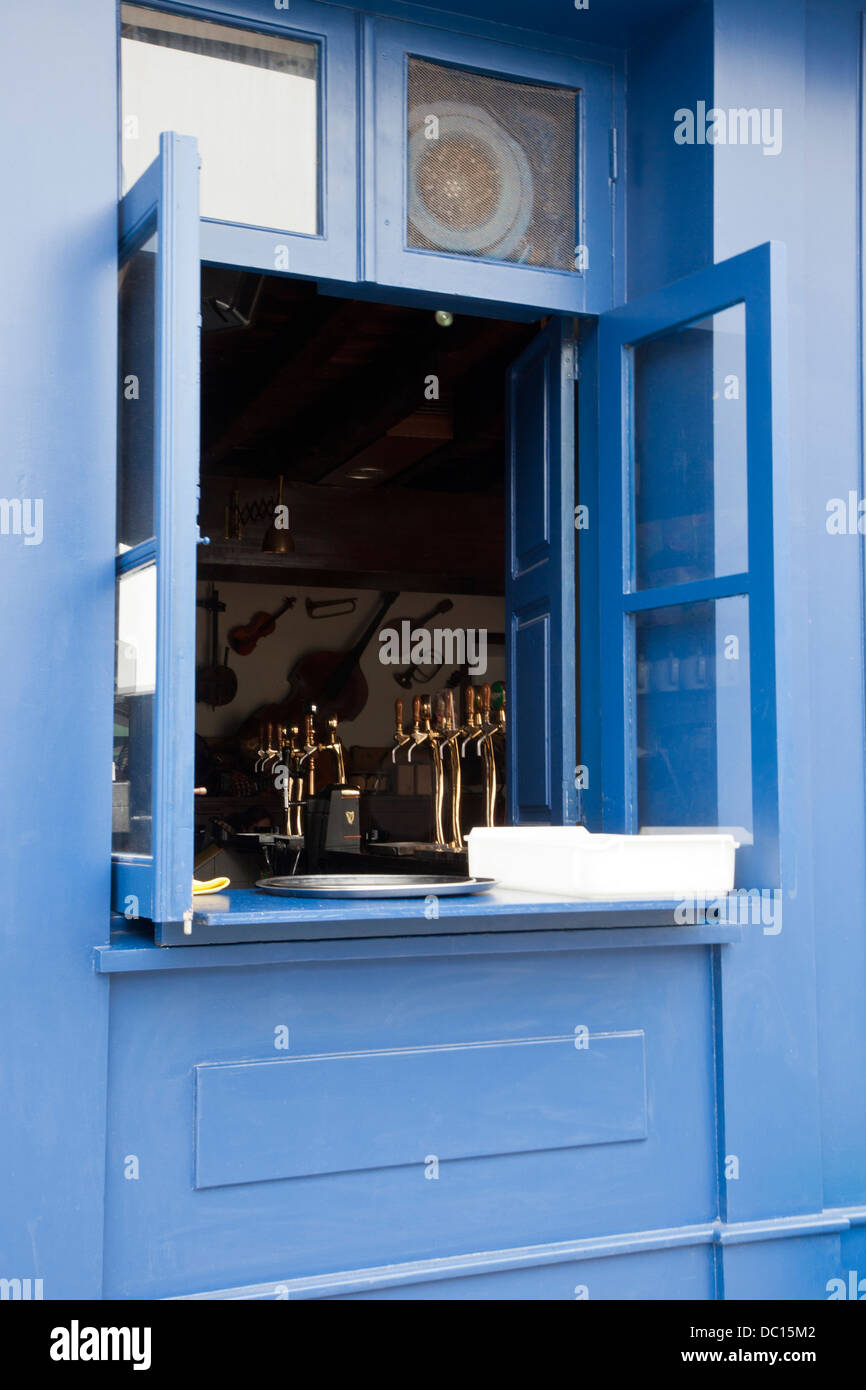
x=230, y=1099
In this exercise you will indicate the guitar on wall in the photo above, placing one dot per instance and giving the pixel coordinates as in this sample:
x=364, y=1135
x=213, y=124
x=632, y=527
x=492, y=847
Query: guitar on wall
x=332, y=681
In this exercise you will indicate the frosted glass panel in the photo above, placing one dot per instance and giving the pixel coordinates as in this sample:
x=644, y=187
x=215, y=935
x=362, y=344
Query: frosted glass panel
x=250, y=99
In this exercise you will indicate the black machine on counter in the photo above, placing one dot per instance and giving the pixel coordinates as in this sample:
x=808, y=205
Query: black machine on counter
x=332, y=826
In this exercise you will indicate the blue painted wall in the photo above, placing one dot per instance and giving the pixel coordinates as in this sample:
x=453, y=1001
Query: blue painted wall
x=785, y=1012
x=670, y=186
x=805, y=59
x=59, y=177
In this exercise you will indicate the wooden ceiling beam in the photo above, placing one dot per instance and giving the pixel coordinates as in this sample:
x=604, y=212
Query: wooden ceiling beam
x=268, y=408
x=410, y=440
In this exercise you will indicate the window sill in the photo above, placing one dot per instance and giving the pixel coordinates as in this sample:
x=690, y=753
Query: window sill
x=244, y=927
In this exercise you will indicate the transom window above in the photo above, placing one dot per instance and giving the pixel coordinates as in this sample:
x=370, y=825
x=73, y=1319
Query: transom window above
x=491, y=167
x=252, y=101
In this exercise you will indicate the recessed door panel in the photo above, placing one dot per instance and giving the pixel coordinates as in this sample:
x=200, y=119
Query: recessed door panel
x=260, y=1121
x=540, y=581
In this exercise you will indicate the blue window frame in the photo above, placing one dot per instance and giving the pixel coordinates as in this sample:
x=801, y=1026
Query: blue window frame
x=332, y=250
x=396, y=257
x=673, y=586
x=539, y=590
x=689, y=430
x=157, y=536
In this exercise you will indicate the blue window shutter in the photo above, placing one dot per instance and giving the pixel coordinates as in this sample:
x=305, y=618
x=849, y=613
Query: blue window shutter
x=540, y=581
x=164, y=201
x=754, y=280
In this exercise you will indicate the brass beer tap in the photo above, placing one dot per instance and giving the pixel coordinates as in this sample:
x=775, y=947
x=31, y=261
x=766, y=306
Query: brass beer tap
x=335, y=747
x=485, y=750
x=451, y=736
x=425, y=733
x=308, y=755
x=472, y=730
x=400, y=739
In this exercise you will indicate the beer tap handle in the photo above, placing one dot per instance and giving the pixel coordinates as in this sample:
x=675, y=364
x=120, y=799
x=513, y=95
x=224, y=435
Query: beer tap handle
x=449, y=711
x=418, y=735
x=468, y=706
x=485, y=703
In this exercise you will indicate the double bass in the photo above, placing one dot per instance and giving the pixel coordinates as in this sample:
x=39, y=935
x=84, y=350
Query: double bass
x=332, y=681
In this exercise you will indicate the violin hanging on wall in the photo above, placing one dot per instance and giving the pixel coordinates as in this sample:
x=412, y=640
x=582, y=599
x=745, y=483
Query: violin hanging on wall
x=243, y=639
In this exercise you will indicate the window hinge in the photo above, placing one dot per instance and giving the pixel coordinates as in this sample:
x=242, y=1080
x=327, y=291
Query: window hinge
x=187, y=922
x=614, y=154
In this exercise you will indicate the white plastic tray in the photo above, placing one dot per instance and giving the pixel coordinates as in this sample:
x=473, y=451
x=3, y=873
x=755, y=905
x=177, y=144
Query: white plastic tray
x=568, y=859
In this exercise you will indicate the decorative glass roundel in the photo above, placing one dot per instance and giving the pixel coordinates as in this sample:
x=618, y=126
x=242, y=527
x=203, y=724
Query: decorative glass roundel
x=491, y=167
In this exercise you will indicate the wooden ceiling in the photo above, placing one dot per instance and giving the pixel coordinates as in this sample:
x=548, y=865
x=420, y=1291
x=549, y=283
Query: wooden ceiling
x=333, y=391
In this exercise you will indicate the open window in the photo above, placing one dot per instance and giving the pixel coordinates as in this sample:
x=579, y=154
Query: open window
x=388, y=484
x=157, y=478
x=372, y=471
x=366, y=469
x=689, y=430
x=421, y=461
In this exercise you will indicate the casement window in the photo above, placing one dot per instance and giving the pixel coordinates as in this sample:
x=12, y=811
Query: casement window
x=690, y=410
x=648, y=701
x=157, y=536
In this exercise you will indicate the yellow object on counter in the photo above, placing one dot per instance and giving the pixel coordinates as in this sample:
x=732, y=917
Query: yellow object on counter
x=211, y=885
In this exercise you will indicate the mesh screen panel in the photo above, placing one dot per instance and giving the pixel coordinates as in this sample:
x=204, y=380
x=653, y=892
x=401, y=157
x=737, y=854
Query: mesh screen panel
x=492, y=167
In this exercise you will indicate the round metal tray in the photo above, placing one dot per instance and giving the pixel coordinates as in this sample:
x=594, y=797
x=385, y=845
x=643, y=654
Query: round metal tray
x=374, y=885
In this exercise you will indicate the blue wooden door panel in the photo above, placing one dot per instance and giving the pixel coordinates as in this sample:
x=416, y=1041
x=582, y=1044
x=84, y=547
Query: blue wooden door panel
x=743, y=592
x=164, y=201
x=258, y=1121
x=540, y=581
x=165, y=1236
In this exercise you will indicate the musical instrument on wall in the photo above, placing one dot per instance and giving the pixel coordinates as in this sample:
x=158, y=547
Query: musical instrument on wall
x=412, y=673
x=332, y=682
x=318, y=608
x=215, y=685
x=244, y=638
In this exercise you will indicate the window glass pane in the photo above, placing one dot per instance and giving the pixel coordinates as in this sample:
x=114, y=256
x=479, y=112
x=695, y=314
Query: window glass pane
x=136, y=404
x=492, y=167
x=134, y=686
x=690, y=482
x=694, y=755
x=250, y=99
